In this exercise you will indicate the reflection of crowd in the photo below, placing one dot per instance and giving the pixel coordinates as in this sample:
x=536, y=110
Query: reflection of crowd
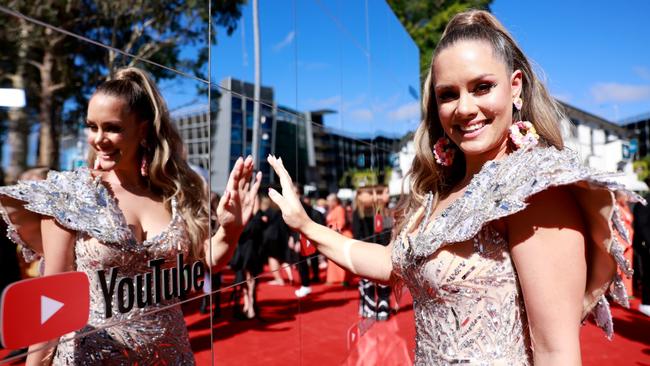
x=372, y=222
x=267, y=240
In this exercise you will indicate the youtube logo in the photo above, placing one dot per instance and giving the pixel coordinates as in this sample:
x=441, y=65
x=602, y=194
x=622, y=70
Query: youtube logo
x=41, y=309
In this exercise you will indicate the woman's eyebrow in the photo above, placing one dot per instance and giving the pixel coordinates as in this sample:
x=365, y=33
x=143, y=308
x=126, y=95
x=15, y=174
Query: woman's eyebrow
x=477, y=78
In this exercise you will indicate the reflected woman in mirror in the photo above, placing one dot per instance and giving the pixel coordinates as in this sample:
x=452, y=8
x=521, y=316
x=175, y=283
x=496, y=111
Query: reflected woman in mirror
x=505, y=240
x=140, y=201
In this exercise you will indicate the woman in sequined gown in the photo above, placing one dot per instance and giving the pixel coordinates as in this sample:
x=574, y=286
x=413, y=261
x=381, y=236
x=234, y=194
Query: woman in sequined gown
x=506, y=250
x=141, y=201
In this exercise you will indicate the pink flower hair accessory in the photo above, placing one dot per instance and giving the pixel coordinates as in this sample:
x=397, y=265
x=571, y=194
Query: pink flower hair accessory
x=523, y=134
x=444, y=151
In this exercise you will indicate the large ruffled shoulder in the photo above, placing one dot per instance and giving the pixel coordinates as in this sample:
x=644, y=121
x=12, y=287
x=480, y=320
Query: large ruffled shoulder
x=502, y=188
x=75, y=199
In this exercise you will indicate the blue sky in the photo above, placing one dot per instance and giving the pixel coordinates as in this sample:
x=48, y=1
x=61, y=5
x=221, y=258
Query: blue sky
x=315, y=55
x=595, y=55
x=325, y=55
x=338, y=55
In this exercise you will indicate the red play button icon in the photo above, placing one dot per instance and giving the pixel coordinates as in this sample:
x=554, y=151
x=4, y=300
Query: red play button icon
x=40, y=309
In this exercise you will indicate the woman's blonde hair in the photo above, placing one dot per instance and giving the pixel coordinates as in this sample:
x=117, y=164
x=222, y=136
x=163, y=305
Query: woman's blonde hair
x=538, y=107
x=169, y=173
x=364, y=209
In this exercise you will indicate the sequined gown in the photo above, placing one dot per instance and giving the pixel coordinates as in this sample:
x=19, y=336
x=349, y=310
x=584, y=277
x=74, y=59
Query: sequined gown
x=470, y=310
x=155, y=334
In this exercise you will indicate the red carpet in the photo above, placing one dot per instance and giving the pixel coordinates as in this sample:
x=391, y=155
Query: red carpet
x=318, y=330
x=315, y=331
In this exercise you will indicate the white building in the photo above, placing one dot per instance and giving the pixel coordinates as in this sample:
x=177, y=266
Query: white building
x=602, y=145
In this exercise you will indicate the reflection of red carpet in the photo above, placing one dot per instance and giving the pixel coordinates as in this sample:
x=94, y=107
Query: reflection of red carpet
x=316, y=331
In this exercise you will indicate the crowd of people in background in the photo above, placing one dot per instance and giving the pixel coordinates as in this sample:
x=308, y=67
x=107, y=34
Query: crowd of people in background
x=268, y=245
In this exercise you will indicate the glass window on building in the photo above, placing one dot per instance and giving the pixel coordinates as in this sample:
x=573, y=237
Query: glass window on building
x=236, y=134
x=236, y=119
x=235, y=150
x=236, y=103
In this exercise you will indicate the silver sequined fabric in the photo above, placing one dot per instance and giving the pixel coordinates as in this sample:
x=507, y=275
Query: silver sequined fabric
x=471, y=310
x=144, y=336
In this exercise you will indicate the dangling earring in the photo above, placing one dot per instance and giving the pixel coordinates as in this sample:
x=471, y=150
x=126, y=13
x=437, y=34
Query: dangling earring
x=96, y=165
x=522, y=133
x=144, y=164
x=518, y=103
x=444, y=151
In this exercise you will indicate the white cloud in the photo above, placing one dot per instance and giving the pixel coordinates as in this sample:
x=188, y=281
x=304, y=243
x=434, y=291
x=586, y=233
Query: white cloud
x=615, y=92
x=285, y=42
x=360, y=115
x=642, y=72
x=405, y=112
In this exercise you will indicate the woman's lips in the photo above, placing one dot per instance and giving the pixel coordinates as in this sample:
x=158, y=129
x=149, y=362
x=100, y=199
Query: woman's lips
x=107, y=155
x=472, y=130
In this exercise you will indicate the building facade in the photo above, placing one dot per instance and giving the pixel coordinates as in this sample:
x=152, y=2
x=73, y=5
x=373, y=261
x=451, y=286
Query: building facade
x=193, y=125
x=232, y=130
x=313, y=154
x=639, y=127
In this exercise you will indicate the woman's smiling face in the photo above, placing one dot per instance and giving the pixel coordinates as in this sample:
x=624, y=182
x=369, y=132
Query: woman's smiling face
x=474, y=92
x=113, y=132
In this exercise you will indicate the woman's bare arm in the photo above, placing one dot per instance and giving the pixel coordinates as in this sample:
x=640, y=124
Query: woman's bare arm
x=58, y=251
x=365, y=259
x=548, y=249
x=233, y=213
x=222, y=248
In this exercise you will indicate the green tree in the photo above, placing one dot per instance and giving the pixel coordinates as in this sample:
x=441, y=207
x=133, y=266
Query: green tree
x=364, y=177
x=54, y=68
x=425, y=20
x=642, y=168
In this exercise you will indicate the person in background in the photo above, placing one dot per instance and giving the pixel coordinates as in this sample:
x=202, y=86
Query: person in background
x=336, y=220
x=276, y=237
x=248, y=262
x=306, y=260
x=321, y=206
x=369, y=223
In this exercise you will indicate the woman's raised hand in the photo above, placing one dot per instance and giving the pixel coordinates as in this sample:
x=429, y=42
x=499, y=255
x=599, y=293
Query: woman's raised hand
x=292, y=211
x=236, y=206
